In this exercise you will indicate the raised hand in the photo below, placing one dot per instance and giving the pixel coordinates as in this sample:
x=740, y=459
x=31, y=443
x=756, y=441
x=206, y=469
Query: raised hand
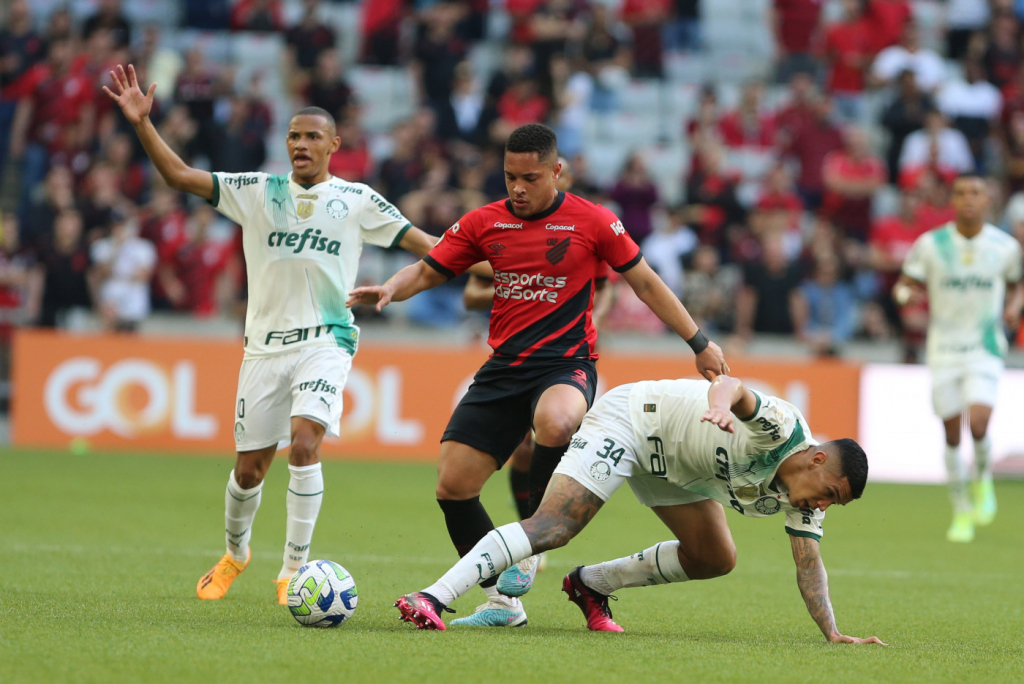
x=135, y=104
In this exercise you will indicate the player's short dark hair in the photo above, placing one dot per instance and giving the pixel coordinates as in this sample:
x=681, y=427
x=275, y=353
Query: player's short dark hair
x=853, y=463
x=318, y=111
x=534, y=138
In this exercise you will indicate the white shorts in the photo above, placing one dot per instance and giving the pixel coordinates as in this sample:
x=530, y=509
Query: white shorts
x=957, y=387
x=604, y=453
x=306, y=383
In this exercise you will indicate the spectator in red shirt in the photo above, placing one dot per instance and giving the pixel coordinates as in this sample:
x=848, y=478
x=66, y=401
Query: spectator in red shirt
x=521, y=104
x=887, y=19
x=809, y=144
x=20, y=48
x=890, y=242
x=55, y=117
x=852, y=177
x=779, y=197
x=646, y=18
x=749, y=125
x=257, y=15
x=1002, y=57
x=190, y=269
x=352, y=160
x=713, y=204
x=800, y=108
x=382, y=20
x=797, y=24
x=309, y=38
x=848, y=50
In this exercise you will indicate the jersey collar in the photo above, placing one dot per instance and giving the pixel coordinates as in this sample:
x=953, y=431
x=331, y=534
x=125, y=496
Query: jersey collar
x=539, y=215
x=305, y=186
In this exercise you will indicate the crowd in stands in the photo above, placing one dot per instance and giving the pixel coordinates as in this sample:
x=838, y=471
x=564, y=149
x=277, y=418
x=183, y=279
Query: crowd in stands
x=798, y=205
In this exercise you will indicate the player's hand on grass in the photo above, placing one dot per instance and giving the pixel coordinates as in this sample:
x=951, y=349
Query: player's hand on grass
x=843, y=639
x=711, y=362
x=370, y=295
x=723, y=418
x=135, y=104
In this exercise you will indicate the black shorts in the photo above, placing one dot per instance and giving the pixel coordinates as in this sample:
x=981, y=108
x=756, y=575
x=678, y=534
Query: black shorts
x=496, y=412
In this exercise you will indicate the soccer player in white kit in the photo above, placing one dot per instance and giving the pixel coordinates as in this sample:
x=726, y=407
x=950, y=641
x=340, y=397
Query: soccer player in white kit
x=688, y=450
x=970, y=272
x=302, y=237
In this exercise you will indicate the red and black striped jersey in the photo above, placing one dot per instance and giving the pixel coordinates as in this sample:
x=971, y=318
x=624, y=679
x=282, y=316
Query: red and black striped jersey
x=544, y=270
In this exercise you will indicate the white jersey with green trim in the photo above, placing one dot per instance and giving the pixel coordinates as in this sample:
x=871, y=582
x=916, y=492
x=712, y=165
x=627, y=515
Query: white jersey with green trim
x=966, y=281
x=736, y=469
x=302, y=247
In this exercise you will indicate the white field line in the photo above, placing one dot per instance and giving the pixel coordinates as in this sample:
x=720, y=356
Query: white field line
x=372, y=558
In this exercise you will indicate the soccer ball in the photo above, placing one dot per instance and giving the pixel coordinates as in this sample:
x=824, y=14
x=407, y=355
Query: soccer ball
x=322, y=594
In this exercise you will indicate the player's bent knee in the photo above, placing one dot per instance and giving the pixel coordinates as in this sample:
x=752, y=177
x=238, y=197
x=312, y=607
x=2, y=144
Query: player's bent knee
x=249, y=472
x=305, y=450
x=553, y=430
x=452, y=489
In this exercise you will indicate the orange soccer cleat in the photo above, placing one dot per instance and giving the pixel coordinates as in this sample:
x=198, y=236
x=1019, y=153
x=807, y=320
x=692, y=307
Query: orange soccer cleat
x=282, y=590
x=215, y=583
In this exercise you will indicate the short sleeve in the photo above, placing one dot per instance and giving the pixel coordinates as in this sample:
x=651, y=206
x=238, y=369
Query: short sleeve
x=381, y=223
x=1014, y=265
x=101, y=251
x=457, y=250
x=147, y=254
x=776, y=429
x=238, y=195
x=915, y=266
x=614, y=244
x=805, y=523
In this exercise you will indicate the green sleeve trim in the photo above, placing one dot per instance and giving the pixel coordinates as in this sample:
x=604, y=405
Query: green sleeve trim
x=401, y=234
x=802, y=533
x=757, y=408
x=215, y=200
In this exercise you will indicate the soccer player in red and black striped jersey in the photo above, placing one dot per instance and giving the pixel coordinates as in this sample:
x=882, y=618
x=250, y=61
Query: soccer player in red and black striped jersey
x=544, y=246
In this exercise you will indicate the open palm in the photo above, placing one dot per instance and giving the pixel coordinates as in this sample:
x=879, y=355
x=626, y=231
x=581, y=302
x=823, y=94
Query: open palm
x=133, y=102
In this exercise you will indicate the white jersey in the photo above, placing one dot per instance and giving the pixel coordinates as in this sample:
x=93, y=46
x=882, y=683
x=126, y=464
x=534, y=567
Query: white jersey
x=966, y=280
x=736, y=469
x=302, y=247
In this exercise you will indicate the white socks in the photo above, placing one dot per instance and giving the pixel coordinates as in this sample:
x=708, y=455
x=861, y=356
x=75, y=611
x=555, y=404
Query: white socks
x=305, y=494
x=492, y=555
x=957, y=480
x=983, y=458
x=656, y=565
x=239, y=511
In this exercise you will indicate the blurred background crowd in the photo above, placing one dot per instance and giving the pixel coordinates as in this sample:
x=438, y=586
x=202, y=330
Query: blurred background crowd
x=774, y=158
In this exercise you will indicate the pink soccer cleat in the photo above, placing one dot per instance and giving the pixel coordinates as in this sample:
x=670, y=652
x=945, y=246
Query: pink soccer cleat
x=594, y=605
x=422, y=610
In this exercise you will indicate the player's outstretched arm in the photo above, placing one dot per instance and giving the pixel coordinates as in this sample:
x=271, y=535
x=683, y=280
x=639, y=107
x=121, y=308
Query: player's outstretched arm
x=653, y=292
x=728, y=398
x=813, y=582
x=136, y=106
x=410, y=280
x=1014, y=305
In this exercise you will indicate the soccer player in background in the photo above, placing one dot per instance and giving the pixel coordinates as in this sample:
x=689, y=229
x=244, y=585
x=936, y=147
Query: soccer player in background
x=970, y=272
x=478, y=295
x=685, y=455
x=302, y=236
x=544, y=246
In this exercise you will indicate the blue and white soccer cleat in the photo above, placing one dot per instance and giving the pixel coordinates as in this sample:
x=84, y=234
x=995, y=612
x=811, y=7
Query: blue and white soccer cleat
x=495, y=614
x=518, y=579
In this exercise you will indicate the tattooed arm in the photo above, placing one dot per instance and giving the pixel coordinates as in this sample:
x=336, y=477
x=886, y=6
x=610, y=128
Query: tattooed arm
x=813, y=582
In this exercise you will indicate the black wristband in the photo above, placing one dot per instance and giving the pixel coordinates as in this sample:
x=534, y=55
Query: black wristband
x=698, y=342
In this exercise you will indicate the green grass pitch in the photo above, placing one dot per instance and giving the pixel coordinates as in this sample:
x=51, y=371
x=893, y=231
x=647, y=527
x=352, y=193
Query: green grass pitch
x=100, y=553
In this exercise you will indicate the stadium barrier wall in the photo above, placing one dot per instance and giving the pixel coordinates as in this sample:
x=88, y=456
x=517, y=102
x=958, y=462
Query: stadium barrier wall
x=178, y=395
